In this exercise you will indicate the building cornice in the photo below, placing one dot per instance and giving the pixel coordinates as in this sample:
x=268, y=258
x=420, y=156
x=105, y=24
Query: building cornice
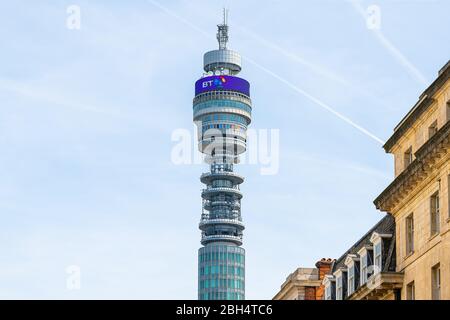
x=427, y=155
x=295, y=285
x=419, y=108
x=378, y=285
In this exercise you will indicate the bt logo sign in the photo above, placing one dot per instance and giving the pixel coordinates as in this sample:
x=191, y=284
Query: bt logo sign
x=214, y=83
x=222, y=82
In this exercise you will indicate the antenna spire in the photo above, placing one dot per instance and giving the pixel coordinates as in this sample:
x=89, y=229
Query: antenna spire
x=222, y=33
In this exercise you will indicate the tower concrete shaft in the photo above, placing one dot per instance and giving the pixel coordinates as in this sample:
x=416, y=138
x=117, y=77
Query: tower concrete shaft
x=222, y=111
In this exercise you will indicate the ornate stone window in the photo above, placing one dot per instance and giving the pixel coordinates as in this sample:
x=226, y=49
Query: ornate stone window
x=432, y=129
x=409, y=226
x=407, y=157
x=436, y=282
x=435, y=215
x=448, y=110
x=411, y=291
x=448, y=197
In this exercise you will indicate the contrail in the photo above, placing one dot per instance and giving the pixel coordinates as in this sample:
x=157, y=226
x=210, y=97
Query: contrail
x=320, y=70
x=276, y=76
x=393, y=50
x=316, y=100
x=295, y=57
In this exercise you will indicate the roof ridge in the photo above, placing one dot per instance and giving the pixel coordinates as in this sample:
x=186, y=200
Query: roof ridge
x=371, y=230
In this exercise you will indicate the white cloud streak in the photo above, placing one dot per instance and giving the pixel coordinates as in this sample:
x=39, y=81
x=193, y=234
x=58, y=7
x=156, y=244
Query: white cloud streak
x=54, y=100
x=39, y=94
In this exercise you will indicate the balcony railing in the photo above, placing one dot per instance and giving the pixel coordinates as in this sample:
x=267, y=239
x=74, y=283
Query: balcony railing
x=204, y=222
x=209, y=191
x=205, y=177
x=221, y=237
x=210, y=187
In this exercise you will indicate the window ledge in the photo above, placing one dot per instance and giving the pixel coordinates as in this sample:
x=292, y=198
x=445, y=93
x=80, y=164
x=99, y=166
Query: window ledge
x=433, y=236
x=410, y=254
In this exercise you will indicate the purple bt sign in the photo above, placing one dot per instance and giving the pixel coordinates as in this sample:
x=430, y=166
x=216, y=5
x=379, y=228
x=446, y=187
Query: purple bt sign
x=214, y=83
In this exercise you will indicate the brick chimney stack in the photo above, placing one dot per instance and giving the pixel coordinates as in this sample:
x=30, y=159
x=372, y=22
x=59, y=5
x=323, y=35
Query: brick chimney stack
x=324, y=266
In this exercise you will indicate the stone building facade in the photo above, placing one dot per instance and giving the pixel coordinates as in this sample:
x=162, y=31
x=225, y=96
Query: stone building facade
x=418, y=198
x=406, y=255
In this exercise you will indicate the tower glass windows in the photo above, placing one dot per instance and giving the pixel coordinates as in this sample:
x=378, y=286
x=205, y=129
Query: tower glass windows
x=221, y=272
x=222, y=104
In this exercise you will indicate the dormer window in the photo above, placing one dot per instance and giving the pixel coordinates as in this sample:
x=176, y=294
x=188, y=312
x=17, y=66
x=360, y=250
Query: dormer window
x=377, y=258
x=352, y=273
x=363, y=278
x=339, y=288
x=351, y=279
x=377, y=240
x=364, y=262
x=341, y=283
x=328, y=282
x=328, y=292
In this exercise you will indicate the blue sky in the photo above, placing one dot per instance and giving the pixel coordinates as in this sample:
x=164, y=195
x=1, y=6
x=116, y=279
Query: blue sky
x=86, y=118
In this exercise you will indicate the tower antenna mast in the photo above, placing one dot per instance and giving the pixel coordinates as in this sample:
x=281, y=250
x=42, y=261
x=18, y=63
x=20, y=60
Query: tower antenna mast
x=222, y=33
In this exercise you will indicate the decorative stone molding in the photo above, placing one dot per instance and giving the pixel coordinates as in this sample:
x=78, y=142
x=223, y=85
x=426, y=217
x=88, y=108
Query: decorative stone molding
x=351, y=258
x=419, y=108
x=379, y=286
x=376, y=237
x=435, y=149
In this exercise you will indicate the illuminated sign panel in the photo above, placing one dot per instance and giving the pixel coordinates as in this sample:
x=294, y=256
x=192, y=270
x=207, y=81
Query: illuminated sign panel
x=214, y=83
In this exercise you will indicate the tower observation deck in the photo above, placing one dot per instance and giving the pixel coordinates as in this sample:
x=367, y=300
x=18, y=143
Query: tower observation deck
x=222, y=112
